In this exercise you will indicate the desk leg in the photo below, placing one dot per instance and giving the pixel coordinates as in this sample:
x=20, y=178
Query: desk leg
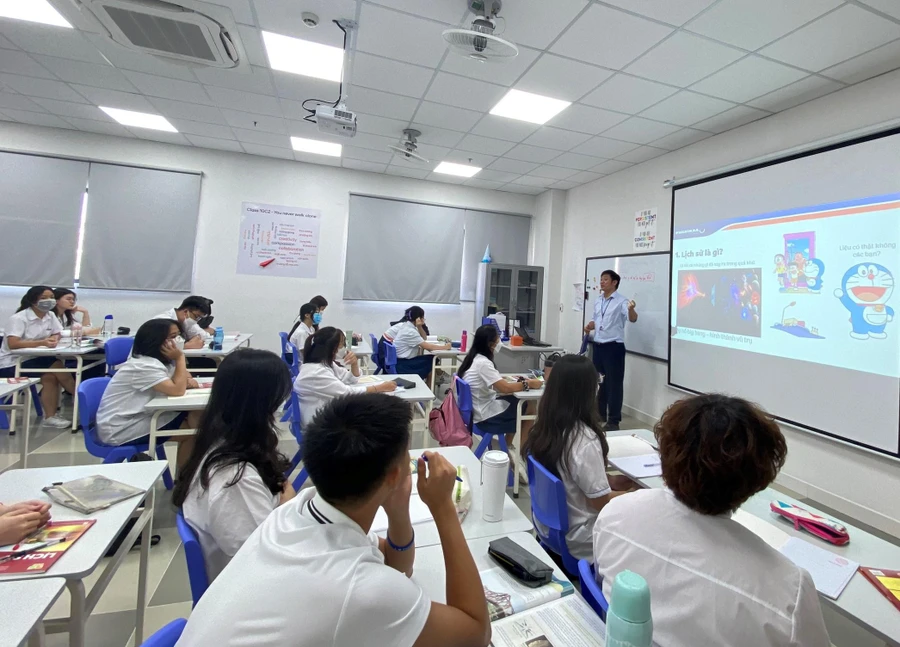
x=154, y=425
x=37, y=635
x=27, y=415
x=514, y=451
x=15, y=399
x=77, y=619
x=434, y=361
x=79, y=364
x=146, y=534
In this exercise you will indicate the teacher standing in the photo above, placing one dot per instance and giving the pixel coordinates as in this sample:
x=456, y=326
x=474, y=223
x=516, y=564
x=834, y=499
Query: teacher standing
x=608, y=326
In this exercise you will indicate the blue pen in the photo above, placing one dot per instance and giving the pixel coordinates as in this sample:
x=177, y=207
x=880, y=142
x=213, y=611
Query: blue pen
x=425, y=458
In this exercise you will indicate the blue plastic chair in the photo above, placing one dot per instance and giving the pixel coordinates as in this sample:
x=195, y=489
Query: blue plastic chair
x=295, y=360
x=117, y=350
x=591, y=589
x=389, y=358
x=193, y=553
x=464, y=404
x=90, y=393
x=297, y=431
x=376, y=355
x=168, y=635
x=548, y=506
x=284, y=342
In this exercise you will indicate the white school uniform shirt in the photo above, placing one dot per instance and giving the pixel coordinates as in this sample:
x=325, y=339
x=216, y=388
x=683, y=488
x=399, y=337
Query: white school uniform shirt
x=609, y=318
x=224, y=515
x=391, y=332
x=317, y=385
x=480, y=376
x=27, y=326
x=586, y=480
x=301, y=334
x=407, y=340
x=121, y=417
x=712, y=581
x=309, y=576
x=191, y=329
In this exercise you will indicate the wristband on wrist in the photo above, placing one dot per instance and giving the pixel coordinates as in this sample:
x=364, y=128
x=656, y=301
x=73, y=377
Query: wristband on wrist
x=401, y=549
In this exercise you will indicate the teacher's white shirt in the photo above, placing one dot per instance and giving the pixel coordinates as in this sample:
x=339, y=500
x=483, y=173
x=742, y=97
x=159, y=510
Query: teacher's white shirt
x=609, y=318
x=317, y=384
x=712, y=581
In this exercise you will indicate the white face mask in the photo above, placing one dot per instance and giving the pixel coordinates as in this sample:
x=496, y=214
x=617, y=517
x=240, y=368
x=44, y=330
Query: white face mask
x=179, y=342
x=341, y=354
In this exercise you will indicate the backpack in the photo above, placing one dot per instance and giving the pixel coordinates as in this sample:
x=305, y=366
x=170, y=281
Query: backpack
x=447, y=426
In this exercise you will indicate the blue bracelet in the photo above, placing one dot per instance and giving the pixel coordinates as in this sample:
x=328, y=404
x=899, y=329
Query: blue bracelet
x=401, y=549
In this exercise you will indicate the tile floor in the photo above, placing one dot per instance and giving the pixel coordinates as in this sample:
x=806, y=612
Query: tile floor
x=112, y=623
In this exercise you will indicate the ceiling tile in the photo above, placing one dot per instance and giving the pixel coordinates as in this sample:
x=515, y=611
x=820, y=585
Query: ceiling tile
x=294, y=110
x=5, y=43
x=753, y=23
x=367, y=155
x=21, y=102
x=528, y=153
x=15, y=62
x=214, y=131
x=115, y=99
x=576, y=161
x=244, y=101
x=191, y=111
x=403, y=171
x=250, y=121
x=812, y=87
x=101, y=76
x=733, y=118
x=160, y=136
x=537, y=23
x=684, y=59
x=604, y=147
x=464, y=157
x=504, y=73
x=438, y=136
x=449, y=89
x=271, y=151
x=435, y=114
x=585, y=119
x=381, y=28
x=447, y=12
x=411, y=163
x=533, y=180
x=890, y=7
x=748, y=78
x=126, y=59
x=553, y=172
x=249, y=79
x=557, y=138
x=684, y=137
x=562, y=78
x=640, y=130
x=609, y=37
x=502, y=128
x=686, y=108
x=41, y=88
x=78, y=110
x=487, y=145
x=372, y=142
x=674, y=12
x=849, y=31
x=251, y=37
x=512, y=166
x=319, y=160
x=285, y=17
x=564, y=185
x=240, y=10
x=64, y=43
x=300, y=88
x=585, y=176
x=215, y=143
x=262, y=137
x=628, y=94
x=160, y=86
x=498, y=176
x=432, y=152
x=611, y=166
x=101, y=127
x=884, y=59
x=642, y=154
x=360, y=165
x=382, y=104
x=390, y=76
x=380, y=125
x=483, y=184
x=520, y=188
x=36, y=118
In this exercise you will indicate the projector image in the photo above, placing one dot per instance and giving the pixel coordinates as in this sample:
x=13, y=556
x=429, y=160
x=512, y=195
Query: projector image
x=336, y=121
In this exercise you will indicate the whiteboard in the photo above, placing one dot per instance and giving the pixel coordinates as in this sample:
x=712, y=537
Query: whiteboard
x=645, y=280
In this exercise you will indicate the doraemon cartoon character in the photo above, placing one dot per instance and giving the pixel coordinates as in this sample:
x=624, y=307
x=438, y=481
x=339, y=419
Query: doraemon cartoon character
x=814, y=270
x=865, y=290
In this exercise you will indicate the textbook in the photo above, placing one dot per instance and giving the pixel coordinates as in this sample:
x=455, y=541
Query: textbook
x=506, y=596
x=40, y=551
x=566, y=622
x=886, y=581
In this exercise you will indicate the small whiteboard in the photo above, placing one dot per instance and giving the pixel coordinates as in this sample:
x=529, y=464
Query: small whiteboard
x=645, y=280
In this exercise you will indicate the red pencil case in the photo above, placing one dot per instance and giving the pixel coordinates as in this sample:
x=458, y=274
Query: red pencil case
x=827, y=529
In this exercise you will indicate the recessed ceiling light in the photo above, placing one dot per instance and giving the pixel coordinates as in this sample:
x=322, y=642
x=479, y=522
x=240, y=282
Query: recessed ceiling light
x=462, y=170
x=316, y=146
x=304, y=57
x=34, y=11
x=140, y=119
x=526, y=106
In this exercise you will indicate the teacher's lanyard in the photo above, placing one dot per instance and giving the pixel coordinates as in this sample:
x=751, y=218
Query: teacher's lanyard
x=604, y=306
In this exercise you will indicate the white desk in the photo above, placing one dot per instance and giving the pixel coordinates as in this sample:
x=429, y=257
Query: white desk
x=23, y=605
x=86, y=554
x=192, y=400
x=229, y=345
x=520, y=466
x=420, y=396
x=521, y=359
x=12, y=390
x=455, y=360
x=860, y=602
x=473, y=526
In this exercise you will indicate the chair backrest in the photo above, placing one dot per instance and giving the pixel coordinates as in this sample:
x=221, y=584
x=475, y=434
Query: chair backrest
x=390, y=358
x=548, y=506
x=193, y=553
x=117, y=350
x=464, y=400
x=591, y=589
x=284, y=343
x=168, y=635
x=295, y=418
x=584, y=343
x=90, y=392
x=295, y=359
x=376, y=352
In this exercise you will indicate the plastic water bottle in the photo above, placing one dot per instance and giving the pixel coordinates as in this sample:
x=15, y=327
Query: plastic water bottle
x=77, y=334
x=464, y=342
x=628, y=621
x=108, y=329
x=218, y=338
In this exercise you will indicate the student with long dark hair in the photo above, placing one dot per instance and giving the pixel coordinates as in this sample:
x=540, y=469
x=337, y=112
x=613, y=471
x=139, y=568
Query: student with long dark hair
x=408, y=334
x=235, y=474
x=490, y=412
x=304, y=326
x=568, y=439
x=35, y=326
x=66, y=309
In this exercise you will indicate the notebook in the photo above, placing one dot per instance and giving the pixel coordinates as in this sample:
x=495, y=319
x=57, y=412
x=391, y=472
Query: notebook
x=830, y=572
x=886, y=581
x=638, y=467
x=418, y=513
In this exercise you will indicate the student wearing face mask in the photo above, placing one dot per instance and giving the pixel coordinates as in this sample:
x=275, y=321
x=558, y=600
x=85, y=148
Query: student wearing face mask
x=192, y=311
x=304, y=326
x=408, y=336
x=321, y=303
x=35, y=326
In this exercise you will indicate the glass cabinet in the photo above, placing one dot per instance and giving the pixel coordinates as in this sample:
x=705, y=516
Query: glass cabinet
x=515, y=290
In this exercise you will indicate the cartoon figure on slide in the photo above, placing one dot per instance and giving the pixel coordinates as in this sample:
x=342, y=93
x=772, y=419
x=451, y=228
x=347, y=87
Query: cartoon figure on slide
x=865, y=291
x=813, y=271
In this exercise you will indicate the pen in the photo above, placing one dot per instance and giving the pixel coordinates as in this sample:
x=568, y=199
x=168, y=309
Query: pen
x=652, y=465
x=425, y=458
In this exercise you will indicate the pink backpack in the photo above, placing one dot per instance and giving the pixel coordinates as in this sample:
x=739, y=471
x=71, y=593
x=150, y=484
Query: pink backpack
x=447, y=426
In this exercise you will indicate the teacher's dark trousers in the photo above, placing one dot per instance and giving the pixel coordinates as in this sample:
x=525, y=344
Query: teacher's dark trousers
x=609, y=360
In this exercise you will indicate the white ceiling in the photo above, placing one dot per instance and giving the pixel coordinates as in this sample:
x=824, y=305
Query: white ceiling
x=646, y=77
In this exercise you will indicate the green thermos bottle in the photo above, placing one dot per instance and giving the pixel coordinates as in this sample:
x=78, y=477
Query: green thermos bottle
x=628, y=621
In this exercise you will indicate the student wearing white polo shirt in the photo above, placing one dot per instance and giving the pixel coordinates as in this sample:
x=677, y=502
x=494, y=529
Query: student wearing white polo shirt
x=409, y=338
x=192, y=310
x=235, y=475
x=314, y=575
x=35, y=326
x=304, y=326
x=714, y=582
x=322, y=378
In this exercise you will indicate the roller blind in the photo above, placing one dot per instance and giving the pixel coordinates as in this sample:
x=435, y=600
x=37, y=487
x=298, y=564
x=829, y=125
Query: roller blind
x=508, y=237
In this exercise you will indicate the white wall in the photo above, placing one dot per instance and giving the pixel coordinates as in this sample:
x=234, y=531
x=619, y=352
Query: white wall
x=598, y=222
x=263, y=306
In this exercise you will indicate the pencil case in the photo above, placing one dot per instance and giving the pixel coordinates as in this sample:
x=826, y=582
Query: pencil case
x=827, y=529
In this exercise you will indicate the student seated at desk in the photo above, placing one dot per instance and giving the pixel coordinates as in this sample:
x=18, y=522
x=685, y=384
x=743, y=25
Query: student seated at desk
x=235, y=474
x=66, y=309
x=409, y=338
x=191, y=311
x=314, y=575
x=156, y=365
x=304, y=326
x=321, y=303
x=713, y=581
x=19, y=520
x=34, y=326
x=490, y=413
x=322, y=379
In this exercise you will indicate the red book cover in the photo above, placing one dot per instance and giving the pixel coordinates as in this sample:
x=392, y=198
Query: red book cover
x=56, y=537
x=886, y=581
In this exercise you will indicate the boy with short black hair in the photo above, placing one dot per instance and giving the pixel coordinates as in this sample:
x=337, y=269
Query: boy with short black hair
x=189, y=314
